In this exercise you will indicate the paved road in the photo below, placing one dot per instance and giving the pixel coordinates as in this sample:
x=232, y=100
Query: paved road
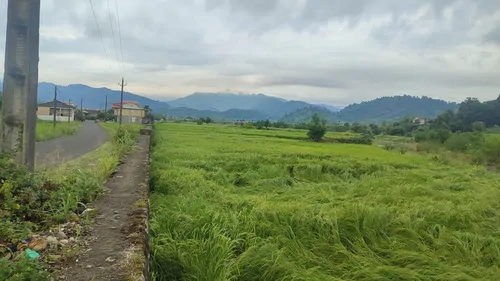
x=59, y=150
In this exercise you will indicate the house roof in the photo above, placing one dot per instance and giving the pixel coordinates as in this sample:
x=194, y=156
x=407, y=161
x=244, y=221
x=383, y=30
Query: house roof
x=131, y=105
x=59, y=104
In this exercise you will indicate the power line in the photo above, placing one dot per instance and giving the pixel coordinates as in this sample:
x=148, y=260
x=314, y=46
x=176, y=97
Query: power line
x=119, y=30
x=112, y=30
x=99, y=29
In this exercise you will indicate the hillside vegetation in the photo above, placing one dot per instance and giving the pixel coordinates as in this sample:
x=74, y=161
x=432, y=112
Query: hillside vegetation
x=287, y=209
x=376, y=111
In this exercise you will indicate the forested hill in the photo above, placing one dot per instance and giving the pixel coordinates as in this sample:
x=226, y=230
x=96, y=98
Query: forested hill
x=378, y=110
x=304, y=115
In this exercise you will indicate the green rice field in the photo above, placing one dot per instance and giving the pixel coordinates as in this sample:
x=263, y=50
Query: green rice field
x=230, y=203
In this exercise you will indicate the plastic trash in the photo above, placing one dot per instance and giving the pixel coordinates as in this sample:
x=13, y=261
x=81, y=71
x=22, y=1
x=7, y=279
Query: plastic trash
x=32, y=254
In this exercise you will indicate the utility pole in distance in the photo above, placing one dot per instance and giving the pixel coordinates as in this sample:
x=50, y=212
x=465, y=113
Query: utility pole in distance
x=21, y=80
x=121, y=101
x=106, y=109
x=69, y=111
x=55, y=103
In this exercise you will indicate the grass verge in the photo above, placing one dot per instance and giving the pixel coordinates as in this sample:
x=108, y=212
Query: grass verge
x=31, y=203
x=46, y=131
x=237, y=207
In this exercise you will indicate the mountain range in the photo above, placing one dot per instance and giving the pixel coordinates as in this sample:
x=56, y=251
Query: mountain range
x=229, y=106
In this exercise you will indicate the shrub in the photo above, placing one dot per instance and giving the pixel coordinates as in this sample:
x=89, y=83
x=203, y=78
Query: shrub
x=491, y=150
x=249, y=126
x=364, y=139
x=463, y=141
x=428, y=147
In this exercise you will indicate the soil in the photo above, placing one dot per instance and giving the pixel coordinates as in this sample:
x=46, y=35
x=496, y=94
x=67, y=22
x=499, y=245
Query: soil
x=116, y=239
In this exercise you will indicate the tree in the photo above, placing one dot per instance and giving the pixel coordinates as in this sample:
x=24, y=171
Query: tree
x=79, y=115
x=267, y=123
x=317, y=128
x=106, y=115
x=375, y=129
x=148, y=113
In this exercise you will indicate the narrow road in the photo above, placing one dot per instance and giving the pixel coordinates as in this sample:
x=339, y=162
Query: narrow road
x=89, y=137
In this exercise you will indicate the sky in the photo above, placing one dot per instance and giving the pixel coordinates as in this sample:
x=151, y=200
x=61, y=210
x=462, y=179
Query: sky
x=324, y=51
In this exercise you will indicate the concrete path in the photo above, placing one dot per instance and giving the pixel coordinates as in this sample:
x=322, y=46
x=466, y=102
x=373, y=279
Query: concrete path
x=90, y=136
x=111, y=251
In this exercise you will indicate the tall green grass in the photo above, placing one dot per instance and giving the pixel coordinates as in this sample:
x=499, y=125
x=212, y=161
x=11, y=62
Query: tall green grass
x=46, y=131
x=229, y=206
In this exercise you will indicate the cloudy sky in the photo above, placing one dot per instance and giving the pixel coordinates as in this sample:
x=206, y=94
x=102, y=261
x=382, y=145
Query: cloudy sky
x=329, y=51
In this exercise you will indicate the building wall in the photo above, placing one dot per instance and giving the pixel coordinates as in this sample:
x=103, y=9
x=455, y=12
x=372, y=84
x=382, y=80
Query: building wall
x=130, y=112
x=43, y=111
x=48, y=111
x=58, y=118
x=129, y=119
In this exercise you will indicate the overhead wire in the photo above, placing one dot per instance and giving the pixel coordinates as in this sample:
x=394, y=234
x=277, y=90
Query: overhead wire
x=98, y=29
x=112, y=30
x=119, y=30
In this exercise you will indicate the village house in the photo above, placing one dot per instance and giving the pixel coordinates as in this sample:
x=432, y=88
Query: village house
x=419, y=120
x=63, y=111
x=132, y=112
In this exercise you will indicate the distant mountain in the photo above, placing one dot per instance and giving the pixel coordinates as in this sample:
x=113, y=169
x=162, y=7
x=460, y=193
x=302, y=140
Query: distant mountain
x=304, y=115
x=231, y=114
x=329, y=107
x=377, y=110
x=254, y=107
x=271, y=107
x=94, y=98
x=394, y=108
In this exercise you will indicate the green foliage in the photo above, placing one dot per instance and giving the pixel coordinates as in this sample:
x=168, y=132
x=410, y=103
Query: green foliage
x=461, y=142
x=148, y=114
x=362, y=139
x=248, y=125
x=394, y=108
x=22, y=270
x=283, y=209
x=45, y=129
x=305, y=114
x=108, y=115
x=34, y=201
x=317, y=128
x=79, y=115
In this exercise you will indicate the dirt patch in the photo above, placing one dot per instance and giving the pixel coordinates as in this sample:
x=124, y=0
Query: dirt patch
x=113, y=248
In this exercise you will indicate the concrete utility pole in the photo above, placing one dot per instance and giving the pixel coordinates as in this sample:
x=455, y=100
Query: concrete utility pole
x=81, y=108
x=69, y=110
x=55, y=107
x=21, y=80
x=121, y=101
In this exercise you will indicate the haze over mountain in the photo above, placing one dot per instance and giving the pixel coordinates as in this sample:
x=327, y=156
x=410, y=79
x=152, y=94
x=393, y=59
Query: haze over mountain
x=273, y=107
x=227, y=106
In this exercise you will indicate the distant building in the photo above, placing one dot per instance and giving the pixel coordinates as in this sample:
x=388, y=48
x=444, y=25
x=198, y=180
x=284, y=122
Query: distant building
x=132, y=112
x=419, y=120
x=63, y=111
x=91, y=113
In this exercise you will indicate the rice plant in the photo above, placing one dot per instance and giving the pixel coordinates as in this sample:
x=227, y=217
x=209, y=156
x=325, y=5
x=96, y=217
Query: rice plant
x=231, y=205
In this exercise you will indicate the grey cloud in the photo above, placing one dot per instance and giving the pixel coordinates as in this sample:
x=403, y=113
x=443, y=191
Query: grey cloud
x=493, y=36
x=231, y=41
x=312, y=81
